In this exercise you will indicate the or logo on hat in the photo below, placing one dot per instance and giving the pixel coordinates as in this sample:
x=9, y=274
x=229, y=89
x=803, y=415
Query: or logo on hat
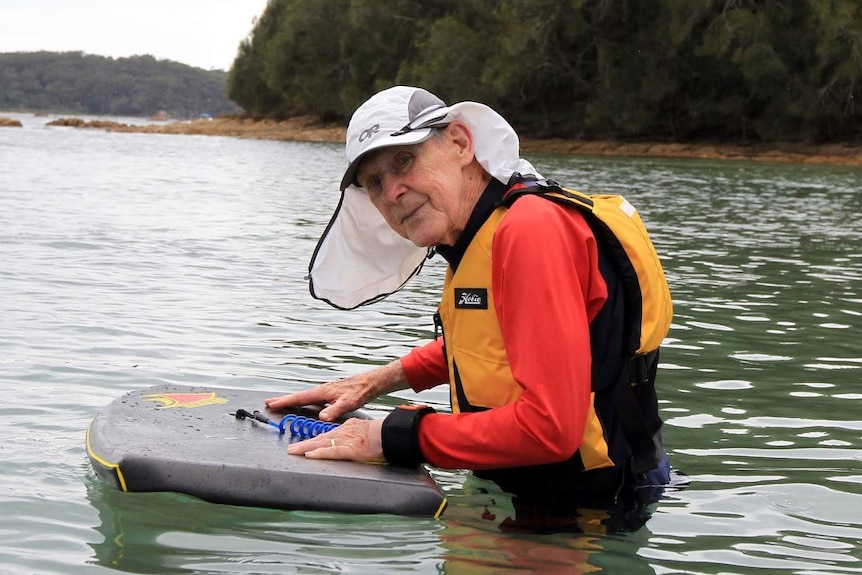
x=368, y=132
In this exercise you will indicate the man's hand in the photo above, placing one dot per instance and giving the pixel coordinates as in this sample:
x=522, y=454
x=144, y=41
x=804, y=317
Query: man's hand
x=346, y=394
x=353, y=440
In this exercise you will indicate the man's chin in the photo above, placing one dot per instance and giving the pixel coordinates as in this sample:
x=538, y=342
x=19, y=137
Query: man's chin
x=422, y=240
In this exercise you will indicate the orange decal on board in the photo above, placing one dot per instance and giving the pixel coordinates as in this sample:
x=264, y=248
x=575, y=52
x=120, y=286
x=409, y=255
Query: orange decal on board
x=185, y=399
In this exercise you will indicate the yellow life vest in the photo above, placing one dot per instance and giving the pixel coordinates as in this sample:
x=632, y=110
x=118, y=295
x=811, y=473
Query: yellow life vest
x=616, y=222
x=479, y=372
x=630, y=379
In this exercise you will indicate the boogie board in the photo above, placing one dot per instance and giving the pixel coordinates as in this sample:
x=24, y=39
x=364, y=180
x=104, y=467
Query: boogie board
x=189, y=440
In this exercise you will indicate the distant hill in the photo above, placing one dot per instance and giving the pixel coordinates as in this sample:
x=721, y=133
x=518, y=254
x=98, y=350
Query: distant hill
x=74, y=82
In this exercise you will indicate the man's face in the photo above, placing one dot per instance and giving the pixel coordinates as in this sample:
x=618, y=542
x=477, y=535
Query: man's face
x=420, y=189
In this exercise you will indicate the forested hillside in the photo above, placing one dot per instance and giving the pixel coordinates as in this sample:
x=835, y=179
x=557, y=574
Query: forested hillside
x=138, y=86
x=684, y=70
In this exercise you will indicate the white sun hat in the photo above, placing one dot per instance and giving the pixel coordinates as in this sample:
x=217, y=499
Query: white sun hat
x=359, y=259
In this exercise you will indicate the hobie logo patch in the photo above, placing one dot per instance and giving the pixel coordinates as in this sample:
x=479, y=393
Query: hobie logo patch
x=471, y=298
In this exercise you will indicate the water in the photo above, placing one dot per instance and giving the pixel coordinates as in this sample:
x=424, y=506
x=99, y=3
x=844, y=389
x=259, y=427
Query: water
x=131, y=260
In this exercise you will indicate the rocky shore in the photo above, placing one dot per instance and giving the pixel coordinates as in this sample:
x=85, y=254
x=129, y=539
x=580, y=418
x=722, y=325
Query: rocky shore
x=308, y=129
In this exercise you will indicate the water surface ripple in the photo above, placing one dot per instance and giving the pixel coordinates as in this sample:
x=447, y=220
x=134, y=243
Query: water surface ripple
x=131, y=260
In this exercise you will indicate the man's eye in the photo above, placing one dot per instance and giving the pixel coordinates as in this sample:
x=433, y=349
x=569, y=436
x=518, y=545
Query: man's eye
x=372, y=184
x=402, y=160
x=365, y=181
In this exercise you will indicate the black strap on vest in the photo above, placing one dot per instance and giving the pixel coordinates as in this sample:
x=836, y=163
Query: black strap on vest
x=533, y=186
x=645, y=443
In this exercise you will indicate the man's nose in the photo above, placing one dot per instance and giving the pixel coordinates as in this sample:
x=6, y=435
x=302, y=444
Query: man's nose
x=393, y=188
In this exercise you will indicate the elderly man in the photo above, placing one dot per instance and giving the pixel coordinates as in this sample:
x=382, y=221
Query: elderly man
x=536, y=319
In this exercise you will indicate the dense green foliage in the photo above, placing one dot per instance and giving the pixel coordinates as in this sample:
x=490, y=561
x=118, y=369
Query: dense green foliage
x=136, y=86
x=678, y=69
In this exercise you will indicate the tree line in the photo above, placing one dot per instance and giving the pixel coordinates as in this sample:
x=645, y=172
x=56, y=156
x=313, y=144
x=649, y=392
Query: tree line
x=682, y=70
x=74, y=82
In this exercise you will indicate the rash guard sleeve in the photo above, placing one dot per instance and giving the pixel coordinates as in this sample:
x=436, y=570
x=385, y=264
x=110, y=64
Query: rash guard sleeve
x=547, y=288
x=425, y=366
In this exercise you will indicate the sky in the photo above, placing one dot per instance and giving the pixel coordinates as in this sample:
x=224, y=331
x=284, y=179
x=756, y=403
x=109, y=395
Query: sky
x=201, y=33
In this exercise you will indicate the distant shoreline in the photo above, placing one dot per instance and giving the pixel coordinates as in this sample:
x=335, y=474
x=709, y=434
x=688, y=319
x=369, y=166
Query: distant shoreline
x=308, y=129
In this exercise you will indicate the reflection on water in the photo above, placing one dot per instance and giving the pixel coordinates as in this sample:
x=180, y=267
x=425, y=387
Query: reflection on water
x=209, y=538
x=200, y=537
x=132, y=260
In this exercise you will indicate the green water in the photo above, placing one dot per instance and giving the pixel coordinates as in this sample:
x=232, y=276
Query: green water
x=131, y=260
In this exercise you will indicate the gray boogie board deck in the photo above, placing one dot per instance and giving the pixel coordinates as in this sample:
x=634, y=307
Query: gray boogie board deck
x=187, y=440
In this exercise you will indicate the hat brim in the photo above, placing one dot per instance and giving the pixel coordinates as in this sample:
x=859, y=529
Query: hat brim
x=406, y=139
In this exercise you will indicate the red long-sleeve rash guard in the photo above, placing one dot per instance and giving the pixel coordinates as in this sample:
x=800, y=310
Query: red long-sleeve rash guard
x=547, y=288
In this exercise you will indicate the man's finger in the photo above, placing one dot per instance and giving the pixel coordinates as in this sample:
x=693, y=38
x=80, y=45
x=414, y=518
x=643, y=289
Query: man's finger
x=304, y=397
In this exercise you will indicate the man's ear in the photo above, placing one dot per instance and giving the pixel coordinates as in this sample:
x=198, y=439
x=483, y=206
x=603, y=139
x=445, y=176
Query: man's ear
x=459, y=134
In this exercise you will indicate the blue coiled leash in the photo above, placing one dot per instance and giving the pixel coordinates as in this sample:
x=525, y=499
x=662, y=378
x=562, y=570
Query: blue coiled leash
x=296, y=425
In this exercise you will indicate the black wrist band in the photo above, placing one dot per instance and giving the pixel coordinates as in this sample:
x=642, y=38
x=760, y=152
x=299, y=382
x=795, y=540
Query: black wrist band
x=400, y=435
